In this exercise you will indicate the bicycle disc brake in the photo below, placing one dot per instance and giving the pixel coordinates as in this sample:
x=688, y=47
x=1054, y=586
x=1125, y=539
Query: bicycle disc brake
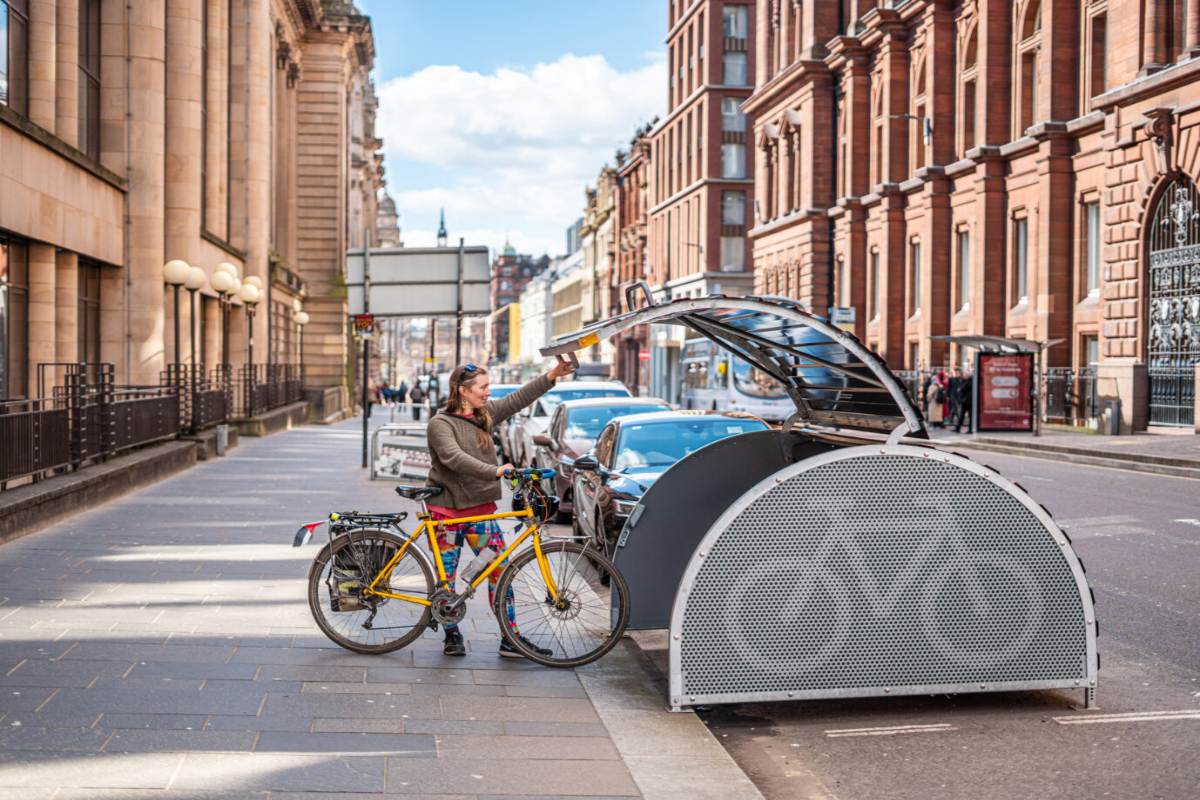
x=441, y=604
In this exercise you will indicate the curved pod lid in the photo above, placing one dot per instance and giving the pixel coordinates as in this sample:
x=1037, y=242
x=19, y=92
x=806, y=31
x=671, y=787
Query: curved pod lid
x=833, y=378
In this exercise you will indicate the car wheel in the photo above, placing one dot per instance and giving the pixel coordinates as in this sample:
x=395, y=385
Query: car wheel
x=602, y=537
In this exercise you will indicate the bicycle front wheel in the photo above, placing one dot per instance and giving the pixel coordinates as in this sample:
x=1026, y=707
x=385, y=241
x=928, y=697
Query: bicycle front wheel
x=587, y=620
x=358, y=621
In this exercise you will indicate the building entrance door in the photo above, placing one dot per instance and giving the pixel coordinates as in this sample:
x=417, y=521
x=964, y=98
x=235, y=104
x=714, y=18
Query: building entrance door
x=1174, y=341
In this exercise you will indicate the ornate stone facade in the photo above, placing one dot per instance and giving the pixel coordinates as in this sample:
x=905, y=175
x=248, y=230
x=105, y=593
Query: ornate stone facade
x=202, y=130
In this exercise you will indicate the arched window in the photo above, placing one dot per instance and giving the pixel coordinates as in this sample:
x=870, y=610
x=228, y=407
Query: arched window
x=918, y=123
x=1029, y=47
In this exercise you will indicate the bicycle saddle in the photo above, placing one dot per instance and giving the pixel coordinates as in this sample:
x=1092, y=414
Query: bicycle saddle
x=418, y=493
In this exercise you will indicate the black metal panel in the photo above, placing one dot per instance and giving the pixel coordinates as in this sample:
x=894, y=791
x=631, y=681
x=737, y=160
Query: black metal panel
x=677, y=511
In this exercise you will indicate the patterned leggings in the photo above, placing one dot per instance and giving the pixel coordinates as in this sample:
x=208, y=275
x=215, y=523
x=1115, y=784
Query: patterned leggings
x=478, y=535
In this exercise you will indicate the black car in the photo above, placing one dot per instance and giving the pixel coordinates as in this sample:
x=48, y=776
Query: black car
x=631, y=453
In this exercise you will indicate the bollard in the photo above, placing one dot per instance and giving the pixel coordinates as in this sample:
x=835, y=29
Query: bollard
x=222, y=439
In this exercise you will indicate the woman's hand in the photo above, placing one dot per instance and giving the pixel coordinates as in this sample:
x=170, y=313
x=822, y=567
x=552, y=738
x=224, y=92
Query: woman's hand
x=503, y=468
x=561, y=369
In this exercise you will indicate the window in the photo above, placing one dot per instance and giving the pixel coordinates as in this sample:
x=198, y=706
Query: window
x=733, y=253
x=968, y=138
x=734, y=65
x=914, y=278
x=1028, y=53
x=732, y=118
x=733, y=161
x=736, y=20
x=1098, y=80
x=1091, y=278
x=14, y=317
x=873, y=311
x=89, y=312
x=14, y=55
x=89, y=77
x=733, y=208
x=1091, y=350
x=843, y=283
x=964, y=269
x=1021, y=259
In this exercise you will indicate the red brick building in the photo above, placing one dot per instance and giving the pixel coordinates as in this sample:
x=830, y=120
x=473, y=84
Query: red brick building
x=633, y=175
x=702, y=165
x=1024, y=168
x=511, y=273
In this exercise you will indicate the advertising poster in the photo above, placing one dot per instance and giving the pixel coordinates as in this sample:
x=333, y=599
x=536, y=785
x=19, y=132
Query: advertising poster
x=1004, y=401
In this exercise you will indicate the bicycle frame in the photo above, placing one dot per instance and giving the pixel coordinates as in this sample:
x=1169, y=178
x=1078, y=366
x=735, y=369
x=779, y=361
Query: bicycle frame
x=429, y=527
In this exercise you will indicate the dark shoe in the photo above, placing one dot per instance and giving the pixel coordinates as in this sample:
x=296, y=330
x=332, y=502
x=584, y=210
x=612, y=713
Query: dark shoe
x=508, y=651
x=454, y=644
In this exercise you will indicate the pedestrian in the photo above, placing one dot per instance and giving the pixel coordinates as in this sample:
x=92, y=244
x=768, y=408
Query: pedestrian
x=952, y=392
x=401, y=393
x=464, y=465
x=935, y=399
x=416, y=396
x=965, y=399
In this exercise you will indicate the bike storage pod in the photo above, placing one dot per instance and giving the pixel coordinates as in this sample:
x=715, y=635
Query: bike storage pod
x=846, y=554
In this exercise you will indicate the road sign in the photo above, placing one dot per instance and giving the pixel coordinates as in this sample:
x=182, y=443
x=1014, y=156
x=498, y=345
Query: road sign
x=843, y=316
x=643, y=355
x=420, y=281
x=364, y=324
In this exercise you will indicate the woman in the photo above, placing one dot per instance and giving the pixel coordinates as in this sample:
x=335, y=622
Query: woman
x=464, y=464
x=935, y=400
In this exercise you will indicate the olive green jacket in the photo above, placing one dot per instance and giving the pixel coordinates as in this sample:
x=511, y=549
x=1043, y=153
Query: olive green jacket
x=460, y=465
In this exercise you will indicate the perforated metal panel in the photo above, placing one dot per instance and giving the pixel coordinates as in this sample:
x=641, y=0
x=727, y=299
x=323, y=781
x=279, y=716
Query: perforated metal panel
x=880, y=570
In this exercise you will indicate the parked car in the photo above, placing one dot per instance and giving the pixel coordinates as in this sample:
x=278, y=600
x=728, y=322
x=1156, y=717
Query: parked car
x=495, y=392
x=631, y=453
x=534, y=419
x=572, y=431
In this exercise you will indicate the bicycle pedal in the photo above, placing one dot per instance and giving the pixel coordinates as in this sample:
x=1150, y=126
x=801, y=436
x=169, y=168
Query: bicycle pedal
x=433, y=625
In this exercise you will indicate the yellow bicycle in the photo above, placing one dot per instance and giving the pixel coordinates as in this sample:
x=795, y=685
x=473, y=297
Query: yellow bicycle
x=372, y=588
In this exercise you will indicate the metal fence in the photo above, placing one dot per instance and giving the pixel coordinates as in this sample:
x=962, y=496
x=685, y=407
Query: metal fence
x=81, y=417
x=263, y=387
x=1173, y=396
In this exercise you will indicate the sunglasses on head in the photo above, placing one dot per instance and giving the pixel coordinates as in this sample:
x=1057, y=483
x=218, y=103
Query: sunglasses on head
x=469, y=368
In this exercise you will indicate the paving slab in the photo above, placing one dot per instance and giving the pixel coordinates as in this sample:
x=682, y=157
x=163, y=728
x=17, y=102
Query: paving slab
x=161, y=646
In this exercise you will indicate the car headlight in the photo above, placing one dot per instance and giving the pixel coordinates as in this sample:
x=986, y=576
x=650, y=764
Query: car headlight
x=625, y=507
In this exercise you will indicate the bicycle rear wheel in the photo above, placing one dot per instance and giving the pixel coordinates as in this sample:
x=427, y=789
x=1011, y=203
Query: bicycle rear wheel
x=587, y=621
x=368, y=624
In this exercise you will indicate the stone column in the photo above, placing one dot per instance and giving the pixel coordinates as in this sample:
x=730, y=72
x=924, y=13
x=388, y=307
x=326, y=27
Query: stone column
x=762, y=41
x=181, y=187
x=257, y=134
x=66, y=116
x=1192, y=30
x=42, y=273
x=66, y=306
x=42, y=63
x=1153, y=36
x=144, y=339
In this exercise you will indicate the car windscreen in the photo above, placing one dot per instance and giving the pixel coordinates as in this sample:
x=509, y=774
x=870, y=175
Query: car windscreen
x=586, y=423
x=657, y=444
x=552, y=399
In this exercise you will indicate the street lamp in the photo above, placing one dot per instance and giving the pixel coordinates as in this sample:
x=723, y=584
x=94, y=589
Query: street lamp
x=224, y=284
x=249, y=295
x=175, y=273
x=196, y=279
x=301, y=318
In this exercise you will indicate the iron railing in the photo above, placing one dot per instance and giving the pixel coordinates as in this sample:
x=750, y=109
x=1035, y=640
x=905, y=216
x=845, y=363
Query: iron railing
x=35, y=437
x=262, y=387
x=83, y=417
x=1173, y=396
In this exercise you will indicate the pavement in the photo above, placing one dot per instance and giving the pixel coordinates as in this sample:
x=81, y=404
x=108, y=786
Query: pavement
x=160, y=646
x=1162, y=451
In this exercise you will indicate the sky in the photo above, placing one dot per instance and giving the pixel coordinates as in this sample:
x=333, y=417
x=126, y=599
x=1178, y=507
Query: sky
x=503, y=111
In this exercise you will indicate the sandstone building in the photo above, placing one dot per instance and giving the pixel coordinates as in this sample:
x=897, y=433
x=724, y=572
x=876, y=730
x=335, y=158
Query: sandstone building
x=702, y=166
x=1022, y=168
x=207, y=131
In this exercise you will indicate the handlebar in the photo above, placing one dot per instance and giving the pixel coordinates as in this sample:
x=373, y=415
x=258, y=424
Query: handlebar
x=529, y=474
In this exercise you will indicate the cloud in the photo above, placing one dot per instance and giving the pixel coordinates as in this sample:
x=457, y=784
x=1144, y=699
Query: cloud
x=513, y=149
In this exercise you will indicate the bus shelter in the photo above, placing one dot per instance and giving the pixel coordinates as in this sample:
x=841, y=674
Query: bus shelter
x=844, y=554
